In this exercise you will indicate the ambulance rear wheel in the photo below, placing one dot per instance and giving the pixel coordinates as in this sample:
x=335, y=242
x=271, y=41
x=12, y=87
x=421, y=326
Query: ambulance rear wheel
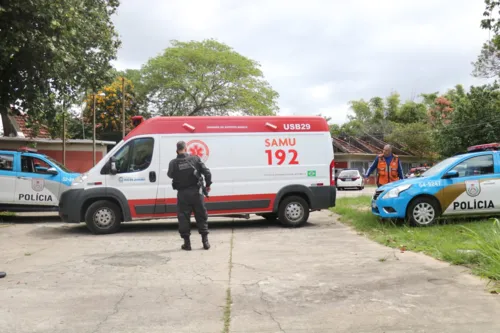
x=293, y=211
x=103, y=217
x=423, y=212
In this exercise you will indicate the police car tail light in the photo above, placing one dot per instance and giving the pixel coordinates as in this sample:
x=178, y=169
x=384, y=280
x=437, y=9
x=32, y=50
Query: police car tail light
x=332, y=173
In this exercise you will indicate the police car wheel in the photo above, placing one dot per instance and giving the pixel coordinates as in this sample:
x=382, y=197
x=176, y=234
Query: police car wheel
x=103, y=217
x=423, y=212
x=293, y=211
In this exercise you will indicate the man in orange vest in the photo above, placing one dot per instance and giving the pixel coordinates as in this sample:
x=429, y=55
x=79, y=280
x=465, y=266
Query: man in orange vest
x=388, y=167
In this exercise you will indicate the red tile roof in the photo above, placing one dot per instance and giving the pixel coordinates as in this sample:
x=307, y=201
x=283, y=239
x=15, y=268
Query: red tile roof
x=43, y=132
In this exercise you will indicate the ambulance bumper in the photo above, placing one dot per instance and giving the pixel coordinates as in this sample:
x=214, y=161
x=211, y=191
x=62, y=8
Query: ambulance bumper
x=323, y=197
x=70, y=205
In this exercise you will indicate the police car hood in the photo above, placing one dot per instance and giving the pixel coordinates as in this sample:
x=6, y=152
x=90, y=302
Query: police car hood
x=411, y=181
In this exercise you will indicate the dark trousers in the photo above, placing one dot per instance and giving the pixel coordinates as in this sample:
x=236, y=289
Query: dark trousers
x=188, y=201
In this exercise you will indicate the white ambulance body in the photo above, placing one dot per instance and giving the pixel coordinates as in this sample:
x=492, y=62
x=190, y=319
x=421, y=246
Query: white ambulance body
x=277, y=167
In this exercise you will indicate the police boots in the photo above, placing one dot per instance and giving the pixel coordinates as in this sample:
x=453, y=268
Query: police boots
x=206, y=244
x=187, y=244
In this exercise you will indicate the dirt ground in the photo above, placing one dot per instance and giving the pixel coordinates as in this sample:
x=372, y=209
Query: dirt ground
x=257, y=277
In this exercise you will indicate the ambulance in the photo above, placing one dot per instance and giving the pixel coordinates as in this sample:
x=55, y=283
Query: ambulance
x=31, y=181
x=467, y=184
x=279, y=167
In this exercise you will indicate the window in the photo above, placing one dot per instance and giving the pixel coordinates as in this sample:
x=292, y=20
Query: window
x=34, y=165
x=135, y=156
x=7, y=162
x=479, y=165
x=361, y=166
x=349, y=174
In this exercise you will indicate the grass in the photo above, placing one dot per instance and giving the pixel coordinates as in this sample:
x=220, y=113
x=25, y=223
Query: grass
x=7, y=214
x=475, y=244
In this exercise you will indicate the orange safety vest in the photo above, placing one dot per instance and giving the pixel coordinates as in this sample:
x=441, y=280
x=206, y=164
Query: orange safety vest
x=387, y=174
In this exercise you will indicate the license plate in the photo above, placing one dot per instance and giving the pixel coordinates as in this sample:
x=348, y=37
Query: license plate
x=348, y=179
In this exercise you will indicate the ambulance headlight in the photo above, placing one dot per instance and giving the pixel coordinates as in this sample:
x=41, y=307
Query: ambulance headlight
x=80, y=179
x=394, y=193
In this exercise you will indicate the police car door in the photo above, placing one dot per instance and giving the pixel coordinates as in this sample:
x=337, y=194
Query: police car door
x=38, y=183
x=7, y=178
x=475, y=190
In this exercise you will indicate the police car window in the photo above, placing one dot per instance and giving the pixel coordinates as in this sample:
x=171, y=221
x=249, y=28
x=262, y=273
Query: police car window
x=6, y=162
x=34, y=165
x=474, y=166
x=135, y=156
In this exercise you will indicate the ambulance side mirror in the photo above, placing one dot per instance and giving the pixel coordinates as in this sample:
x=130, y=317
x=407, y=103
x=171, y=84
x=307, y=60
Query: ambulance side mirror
x=112, y=166
x=451, y=174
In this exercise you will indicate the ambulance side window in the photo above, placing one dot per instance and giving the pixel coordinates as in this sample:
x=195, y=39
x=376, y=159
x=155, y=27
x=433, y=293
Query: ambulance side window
x=135, y=156
x=6, y=162
x=475, y=166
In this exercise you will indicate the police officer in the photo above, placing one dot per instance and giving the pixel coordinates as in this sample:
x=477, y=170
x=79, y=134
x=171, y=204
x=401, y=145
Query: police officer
x=185, y=172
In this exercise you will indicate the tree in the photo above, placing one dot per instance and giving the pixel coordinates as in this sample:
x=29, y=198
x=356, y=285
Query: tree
x=487, y=64
x=52, y=50
x=206, y=78
x=413, y=137
x=474, y=120
x=109, y=108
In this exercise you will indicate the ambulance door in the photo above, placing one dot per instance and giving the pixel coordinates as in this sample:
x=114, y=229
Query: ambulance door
x=475, y=190
x=137, y=165
x=38, y=183
x=216, y=152
x=7, y=178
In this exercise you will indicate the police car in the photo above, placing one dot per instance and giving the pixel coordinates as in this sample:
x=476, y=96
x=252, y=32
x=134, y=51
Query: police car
x=31, y=181
x=465, y=184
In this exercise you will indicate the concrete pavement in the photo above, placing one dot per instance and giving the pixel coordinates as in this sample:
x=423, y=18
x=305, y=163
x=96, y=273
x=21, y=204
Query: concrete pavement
x=319, y=278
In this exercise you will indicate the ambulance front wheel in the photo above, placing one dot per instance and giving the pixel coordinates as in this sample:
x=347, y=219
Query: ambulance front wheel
x=103, y=217
x=293, y=211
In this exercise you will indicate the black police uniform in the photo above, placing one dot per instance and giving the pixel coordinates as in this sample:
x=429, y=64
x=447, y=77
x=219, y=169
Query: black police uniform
x=189, y=196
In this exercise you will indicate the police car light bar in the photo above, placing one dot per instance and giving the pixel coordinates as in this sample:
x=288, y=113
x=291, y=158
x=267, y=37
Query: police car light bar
x=27, y=150
x=484, y=147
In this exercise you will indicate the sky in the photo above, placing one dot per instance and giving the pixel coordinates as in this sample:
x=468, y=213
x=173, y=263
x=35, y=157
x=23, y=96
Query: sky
x=318, y=54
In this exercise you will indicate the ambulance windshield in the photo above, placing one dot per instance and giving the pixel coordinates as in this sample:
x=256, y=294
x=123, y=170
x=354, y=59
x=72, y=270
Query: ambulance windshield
x=438, y=168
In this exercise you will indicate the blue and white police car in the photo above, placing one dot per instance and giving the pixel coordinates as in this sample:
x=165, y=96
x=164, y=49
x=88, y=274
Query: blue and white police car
x=31, y=182
x=465, y=184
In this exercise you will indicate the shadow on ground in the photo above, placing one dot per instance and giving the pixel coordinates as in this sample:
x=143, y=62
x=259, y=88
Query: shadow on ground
x=152, y=228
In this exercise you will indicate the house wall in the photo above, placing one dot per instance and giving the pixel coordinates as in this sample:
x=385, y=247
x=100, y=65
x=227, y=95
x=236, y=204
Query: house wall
x=78, y=155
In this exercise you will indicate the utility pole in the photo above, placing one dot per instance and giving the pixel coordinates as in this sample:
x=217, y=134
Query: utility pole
x=93, y=132
x=123, y=106
x=64, y=135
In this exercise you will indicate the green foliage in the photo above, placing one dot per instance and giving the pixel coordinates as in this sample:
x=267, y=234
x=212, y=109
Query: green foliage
x=414, y=137
x=206, y=78
x=474, y=120
x=487, y=64
x=52, y=50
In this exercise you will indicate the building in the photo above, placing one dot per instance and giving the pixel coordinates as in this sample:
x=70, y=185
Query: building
x=359, y=153
x=78, y=153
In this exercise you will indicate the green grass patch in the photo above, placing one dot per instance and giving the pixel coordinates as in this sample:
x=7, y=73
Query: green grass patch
x=475, y=244
x=7, y=214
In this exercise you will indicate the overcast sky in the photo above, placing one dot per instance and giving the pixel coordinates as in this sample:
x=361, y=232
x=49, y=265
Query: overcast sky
x=320, y=54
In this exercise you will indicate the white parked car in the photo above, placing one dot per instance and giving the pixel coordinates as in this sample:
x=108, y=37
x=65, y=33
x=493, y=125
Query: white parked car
x=350, y=178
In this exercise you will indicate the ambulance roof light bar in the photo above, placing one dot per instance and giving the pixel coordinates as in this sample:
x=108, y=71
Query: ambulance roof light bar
x=484, y=147
x=137, y=120
x=27, y=150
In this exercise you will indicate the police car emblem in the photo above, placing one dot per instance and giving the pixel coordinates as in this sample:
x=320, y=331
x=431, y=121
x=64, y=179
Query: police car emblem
x=472, y=187
x=37, y=184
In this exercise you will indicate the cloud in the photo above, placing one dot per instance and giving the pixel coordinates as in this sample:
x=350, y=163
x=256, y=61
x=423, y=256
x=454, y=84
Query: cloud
x=321, y=54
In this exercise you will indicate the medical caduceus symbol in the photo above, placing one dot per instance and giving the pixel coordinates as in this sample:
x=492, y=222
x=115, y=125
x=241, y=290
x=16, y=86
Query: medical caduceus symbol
x=198, y=148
